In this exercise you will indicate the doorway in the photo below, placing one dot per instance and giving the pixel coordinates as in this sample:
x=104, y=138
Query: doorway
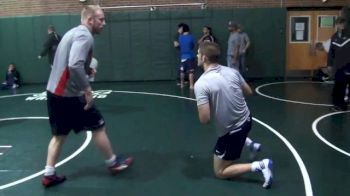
x=304, y=30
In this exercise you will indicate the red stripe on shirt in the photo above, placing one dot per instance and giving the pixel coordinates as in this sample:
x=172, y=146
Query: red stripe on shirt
x=62, y=83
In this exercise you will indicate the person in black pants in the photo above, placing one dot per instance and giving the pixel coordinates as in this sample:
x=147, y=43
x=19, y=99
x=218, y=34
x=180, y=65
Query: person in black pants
x=341, y=88
x=339, y=59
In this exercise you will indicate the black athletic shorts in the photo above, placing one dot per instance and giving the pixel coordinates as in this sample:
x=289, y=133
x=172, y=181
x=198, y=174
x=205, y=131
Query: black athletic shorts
x=229, y=147
x=67, y=113
x=187, y=66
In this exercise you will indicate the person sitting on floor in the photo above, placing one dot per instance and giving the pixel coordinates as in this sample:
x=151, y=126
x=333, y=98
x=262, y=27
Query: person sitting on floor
x=12, y=78
x=324, y=73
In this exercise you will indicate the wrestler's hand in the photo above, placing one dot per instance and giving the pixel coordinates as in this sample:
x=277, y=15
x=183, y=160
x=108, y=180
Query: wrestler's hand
x=89, y=99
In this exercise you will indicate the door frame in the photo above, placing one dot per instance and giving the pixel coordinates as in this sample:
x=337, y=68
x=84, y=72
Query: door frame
x=290, y=27
x=312, y=28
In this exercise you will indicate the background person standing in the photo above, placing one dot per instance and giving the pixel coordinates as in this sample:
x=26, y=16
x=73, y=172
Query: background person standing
x=233, y=46
x=339, y=60
x=245, y=44
x=50, y=45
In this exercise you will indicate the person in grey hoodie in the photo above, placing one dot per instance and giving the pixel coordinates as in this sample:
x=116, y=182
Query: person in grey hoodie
x=69, y=96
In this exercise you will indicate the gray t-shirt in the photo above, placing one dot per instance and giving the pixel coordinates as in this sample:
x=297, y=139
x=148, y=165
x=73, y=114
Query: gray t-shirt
x=221, y=87
x=71, y=63
x=244, y=40
x=233, y=42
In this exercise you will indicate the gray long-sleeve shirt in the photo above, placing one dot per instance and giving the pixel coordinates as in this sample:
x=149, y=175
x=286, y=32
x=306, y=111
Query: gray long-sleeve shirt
x=71, y=63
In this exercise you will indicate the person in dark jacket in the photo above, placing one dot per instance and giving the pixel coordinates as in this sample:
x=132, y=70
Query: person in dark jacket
x=50, y=45
x=339, y=60
x=12, y=78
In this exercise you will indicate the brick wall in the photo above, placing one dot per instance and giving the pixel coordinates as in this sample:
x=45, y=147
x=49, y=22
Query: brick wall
x=44, y=7
x=277, y=3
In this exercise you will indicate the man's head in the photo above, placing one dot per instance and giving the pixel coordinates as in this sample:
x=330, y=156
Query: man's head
x=340, y=23
x=207, y=30
x=50, y=29
x=208, y=53
x=319, y=46
x=232, y=27
x=93, y=17
x=11, y=66
x=183, y=28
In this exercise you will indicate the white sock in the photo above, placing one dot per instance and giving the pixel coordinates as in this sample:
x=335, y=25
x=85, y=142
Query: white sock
x=49, y=170
x=248, y=141
x=256, y=166
x=110, y=162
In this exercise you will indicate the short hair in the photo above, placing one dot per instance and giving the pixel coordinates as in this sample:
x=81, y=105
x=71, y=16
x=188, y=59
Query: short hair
x=211, y=51
x=185, y=27
x=180, y=25
x=340, y=20
x=233, y=25
x=89, y=10
x=51, y=27
x=209, y=29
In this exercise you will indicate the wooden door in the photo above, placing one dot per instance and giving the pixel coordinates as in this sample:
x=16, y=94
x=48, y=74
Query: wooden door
x=305, y=29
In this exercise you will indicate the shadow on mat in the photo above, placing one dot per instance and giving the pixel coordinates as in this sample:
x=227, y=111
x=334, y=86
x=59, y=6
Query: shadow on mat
x=119, y=109
x=151, y=165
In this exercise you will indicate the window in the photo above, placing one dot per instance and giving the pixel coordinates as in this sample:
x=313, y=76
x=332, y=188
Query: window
x=326, y=21
x=300, y=29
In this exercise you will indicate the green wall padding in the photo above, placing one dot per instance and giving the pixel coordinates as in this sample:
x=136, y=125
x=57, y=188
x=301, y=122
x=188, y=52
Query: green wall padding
x=348, y=16
x=137, y=46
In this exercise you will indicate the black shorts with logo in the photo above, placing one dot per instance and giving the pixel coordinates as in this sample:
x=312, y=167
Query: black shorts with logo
x=67, y=113
x=229, y=147
x=187, y=66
